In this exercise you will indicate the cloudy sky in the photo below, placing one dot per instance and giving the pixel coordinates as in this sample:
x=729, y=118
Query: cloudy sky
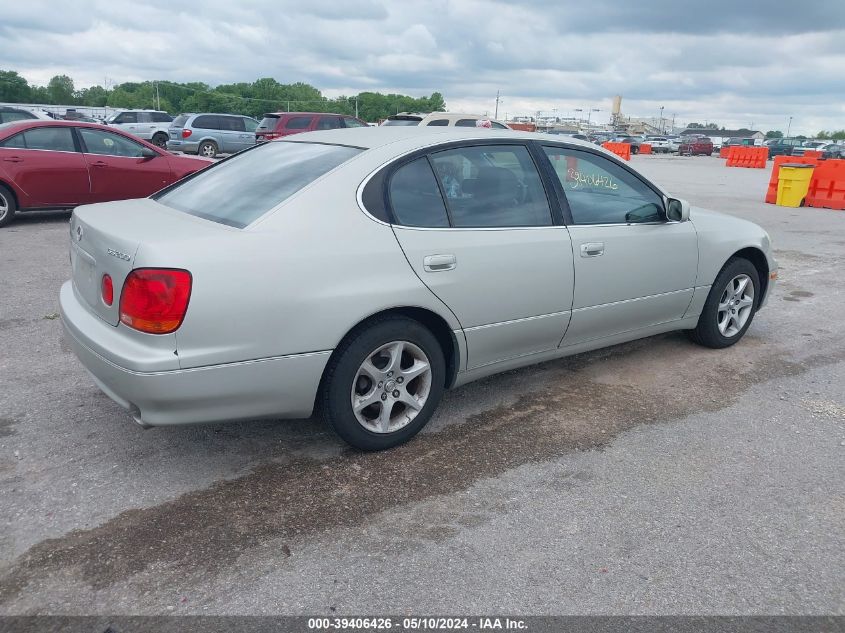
x=736, y=62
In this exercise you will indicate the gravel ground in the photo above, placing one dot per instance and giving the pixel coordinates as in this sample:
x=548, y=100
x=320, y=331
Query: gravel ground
x=655, y=477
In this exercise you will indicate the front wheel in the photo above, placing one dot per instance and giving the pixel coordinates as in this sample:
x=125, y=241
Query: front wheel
x=730, y=306
x=7, y=206
x=383, y=383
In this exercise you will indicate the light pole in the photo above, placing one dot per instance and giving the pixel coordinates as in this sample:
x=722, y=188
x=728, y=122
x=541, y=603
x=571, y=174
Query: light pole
x=661, y=119
x=589, y=114
x=788, y=126
x=579, y=110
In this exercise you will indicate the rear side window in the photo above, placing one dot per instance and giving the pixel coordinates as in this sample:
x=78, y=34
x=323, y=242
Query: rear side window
x=242, y=189
x=7, y=116
x=298, y=123
x=17, y=141
x=269, y=122
x=57, y=139
x=161, y=117
x=439, y=122
x=404, y=121
x=207, y=122
x=499, y=126
x=415, y=197
x=145, y=117
x=250, y=125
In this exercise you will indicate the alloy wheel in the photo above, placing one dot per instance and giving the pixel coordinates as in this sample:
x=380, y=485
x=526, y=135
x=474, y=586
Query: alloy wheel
x=391, y=387
x=4, y=206
x=735, y=305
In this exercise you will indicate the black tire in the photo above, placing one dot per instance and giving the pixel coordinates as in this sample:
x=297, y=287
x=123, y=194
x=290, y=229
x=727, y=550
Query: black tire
x=335, y=398
x=160, y=140
x=707, y=331
x=8, y=207
x=208, y=149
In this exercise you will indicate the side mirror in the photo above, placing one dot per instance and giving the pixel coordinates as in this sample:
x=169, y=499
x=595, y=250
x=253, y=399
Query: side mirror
x=147, y=153
x=677, y=210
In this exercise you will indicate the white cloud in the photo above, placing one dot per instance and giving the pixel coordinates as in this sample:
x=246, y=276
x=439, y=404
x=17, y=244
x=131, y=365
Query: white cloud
x=734, y=63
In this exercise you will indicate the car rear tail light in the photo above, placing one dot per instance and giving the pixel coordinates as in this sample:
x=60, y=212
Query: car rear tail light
x=186, y=133
x=107, y=290
x=269, y=136
x=155, y=300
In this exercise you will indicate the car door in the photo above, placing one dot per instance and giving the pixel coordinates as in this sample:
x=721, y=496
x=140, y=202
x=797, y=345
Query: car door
x=118, y=169
x=45, y=163
x=481, y=236
x=328, y=122
x=234, y=131
x=633, y=268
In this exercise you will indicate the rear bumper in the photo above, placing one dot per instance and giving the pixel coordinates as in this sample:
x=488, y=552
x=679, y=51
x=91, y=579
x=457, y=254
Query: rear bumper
x=189, y=147
x=283, y=387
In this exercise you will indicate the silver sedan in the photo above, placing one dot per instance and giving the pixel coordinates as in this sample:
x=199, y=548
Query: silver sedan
x=359, y=273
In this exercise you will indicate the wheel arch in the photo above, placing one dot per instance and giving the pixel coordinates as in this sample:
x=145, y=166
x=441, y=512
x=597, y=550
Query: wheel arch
x=435, y=323
x=8, y=186
x=758, y=259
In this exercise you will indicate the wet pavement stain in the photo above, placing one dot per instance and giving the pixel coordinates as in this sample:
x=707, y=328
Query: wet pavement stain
x=205, y=531
x=6, y=425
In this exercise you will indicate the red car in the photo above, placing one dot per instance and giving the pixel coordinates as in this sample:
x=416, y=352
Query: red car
x=62, y=164
x=695, y=146
x=278, y=124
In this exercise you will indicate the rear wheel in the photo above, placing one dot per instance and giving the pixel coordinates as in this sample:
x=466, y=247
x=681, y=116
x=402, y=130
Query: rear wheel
x=208, y=149
x=160, y=140
x=7, y=206
x=730, y=306
x=383, y=383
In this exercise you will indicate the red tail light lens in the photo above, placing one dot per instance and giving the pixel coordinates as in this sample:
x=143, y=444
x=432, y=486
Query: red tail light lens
x=186, y=132
x=155, y=300
x=269, y=136
x=107, y=290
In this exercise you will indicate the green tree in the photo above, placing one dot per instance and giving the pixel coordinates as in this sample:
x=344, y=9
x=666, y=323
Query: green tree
x=14, y=88
x=60, y=90
x=774, y=134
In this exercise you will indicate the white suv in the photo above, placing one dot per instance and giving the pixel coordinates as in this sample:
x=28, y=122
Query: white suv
x=444, y=119
x=150, y=125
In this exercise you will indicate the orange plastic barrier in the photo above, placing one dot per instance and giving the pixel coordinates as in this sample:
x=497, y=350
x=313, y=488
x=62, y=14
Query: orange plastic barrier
x=723, y=151
x=827, y=186
x=772, y=191
x=812, y=153
x=747, y=156
x=645, y=148
x=623, y=150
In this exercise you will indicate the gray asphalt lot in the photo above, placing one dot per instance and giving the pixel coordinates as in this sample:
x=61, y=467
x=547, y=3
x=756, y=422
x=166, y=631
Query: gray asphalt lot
x=655, y=477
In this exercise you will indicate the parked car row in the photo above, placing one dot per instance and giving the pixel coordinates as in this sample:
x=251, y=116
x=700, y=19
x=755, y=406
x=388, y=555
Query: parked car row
x=62, y=164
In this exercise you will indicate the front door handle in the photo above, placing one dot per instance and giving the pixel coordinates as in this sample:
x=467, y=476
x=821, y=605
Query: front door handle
x=13, y=159
x=592, y=249
x=438, y=263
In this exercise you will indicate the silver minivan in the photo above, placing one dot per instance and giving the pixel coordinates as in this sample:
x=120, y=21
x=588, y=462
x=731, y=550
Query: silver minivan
x=209, y=134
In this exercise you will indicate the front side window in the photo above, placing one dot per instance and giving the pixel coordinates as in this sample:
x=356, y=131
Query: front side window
x=57, y=139
x=328, y=123
x=601, y=192
x=415, y=197
x=231, y=123
x=349, y=121
x=466, y=123
x=247, y=186
x=126, y=117
x=109, y=144
x=492, y=186
x=298, y=123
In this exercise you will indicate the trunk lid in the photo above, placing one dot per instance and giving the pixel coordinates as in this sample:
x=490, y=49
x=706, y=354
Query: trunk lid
x=105, y=239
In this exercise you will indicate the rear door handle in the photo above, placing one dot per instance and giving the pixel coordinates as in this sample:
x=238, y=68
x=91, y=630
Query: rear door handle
x=13, y=159
x=99, y=163
x=592, y=249
x=438, y=263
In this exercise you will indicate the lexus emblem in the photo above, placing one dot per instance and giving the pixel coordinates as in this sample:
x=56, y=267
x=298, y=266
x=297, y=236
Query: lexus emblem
x=78, y=232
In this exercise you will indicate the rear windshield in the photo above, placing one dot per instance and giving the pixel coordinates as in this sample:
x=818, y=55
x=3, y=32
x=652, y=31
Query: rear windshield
x=403, y=121
x=179, y=121
x=245, y=187
x=269, y=122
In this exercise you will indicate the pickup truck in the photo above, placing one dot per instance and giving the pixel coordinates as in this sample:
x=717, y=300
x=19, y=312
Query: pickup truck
x=662, y=145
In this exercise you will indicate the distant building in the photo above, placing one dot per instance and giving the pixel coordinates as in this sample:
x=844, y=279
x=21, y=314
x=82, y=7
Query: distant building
x=724, y=134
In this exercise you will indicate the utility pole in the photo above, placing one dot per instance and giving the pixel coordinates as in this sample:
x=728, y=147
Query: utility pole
x=496, y=115
x=662, y=128
x=356, y=106
x=788, y=127
x=158, y=100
